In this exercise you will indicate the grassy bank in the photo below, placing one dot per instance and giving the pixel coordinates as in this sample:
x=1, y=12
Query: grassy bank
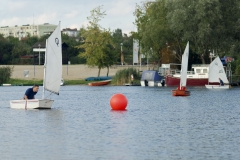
x=23, y=82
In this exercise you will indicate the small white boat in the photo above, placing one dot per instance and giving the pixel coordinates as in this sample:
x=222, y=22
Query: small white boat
x=152, y=79
x=52, y=74
x=217, y=71
x=32, y=104
x=217, y=87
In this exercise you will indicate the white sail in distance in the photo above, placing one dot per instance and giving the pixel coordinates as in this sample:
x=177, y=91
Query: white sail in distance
x=217, y=71
x=53, y=62
x=184, y=68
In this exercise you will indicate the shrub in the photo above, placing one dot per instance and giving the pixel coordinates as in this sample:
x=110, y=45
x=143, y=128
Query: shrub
x=5, y=74
x=124, y=76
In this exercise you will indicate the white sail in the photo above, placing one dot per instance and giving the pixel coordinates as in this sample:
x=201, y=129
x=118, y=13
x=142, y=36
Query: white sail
x=217, y=71
x=53, y=62
x=184, y=68
x=52, y=74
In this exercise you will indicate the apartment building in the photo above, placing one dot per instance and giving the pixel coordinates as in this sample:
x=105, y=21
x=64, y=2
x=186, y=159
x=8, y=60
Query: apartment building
x=70, y=32
x=25, y=30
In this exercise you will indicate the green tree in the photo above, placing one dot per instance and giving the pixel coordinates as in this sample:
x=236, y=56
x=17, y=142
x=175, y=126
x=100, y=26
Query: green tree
x=6, y=48
x=236, y=64
x=208, y=25
x=71, y=50
x=98, y=42
x=117, y=40
x=43, y=38
x=128, y=48
x=19, y=50
x=127, y=45
x=5, y=73
x=30, y=40
x=153, y=30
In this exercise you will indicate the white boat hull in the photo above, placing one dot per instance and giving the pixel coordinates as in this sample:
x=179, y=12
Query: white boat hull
x=32, y=104
x=217, y=87
x=151, y=84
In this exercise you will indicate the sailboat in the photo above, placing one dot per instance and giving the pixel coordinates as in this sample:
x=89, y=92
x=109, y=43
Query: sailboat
x=217, y=71
x=181, y=90
x=52, y=74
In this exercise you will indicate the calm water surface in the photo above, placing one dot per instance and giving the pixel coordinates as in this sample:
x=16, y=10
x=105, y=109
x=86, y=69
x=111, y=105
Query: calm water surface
x=81, y=125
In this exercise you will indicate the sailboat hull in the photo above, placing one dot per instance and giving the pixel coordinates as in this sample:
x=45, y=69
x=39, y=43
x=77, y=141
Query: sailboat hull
x=180, y=93
x=217, y=87
x=175, y=81
x=32, y=104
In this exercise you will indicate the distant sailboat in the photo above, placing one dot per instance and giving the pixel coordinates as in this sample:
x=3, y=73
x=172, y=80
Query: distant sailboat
x=52, y=74
x=217, y=71
x=181, y=90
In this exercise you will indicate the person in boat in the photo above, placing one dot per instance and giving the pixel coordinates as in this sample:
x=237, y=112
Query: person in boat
x=221, y=82
x=31, y=92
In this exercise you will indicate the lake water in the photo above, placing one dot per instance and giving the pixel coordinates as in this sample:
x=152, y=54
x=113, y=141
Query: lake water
x=156, y=125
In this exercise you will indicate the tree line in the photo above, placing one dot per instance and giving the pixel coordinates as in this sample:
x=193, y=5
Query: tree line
x=163, y=29
x=94, y=46
x=11, y=48
x=209, y=26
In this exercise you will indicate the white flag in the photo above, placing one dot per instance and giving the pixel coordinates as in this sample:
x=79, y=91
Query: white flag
x=135, y=50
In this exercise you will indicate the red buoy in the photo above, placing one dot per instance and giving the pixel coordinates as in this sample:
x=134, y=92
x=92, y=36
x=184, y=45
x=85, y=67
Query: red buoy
x=118, y=102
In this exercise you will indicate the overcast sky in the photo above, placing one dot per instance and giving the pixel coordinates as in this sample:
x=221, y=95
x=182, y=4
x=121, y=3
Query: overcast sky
x=71, y=13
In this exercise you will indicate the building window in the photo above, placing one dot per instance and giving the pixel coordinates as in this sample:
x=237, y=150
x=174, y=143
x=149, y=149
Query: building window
x=205, y=71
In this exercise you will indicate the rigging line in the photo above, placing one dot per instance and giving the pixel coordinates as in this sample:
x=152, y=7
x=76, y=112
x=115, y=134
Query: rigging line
x=55, y=52
x=48, y=95
x=56, y=80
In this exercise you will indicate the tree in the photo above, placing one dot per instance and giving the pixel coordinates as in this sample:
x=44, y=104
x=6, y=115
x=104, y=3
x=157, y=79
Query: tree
x=209, y=25
x=43, y=38
x=72, y=50
x=19, y=50
x=153, y=30
x=117, y=40
x=30, y=40
x=5, y=50
x=98, y=44
x=5, y=72
x=127, y=44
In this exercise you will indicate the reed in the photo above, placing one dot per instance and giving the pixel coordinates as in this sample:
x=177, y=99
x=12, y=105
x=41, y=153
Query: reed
x=123, y=77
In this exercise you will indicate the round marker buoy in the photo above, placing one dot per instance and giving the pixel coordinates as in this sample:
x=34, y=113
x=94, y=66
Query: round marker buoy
x=118, y=102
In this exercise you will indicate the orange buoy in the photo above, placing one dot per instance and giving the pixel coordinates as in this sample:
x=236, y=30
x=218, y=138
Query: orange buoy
x=118, y=102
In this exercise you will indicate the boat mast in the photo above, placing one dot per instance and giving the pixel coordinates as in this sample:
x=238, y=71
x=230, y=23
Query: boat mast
x=44, y=73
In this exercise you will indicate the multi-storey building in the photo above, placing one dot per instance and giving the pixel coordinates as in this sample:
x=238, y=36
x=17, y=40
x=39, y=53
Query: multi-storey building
x=70, y=32
x=25, y=30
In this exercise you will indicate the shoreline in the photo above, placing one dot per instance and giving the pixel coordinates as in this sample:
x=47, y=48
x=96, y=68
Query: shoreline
x=69, y=72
